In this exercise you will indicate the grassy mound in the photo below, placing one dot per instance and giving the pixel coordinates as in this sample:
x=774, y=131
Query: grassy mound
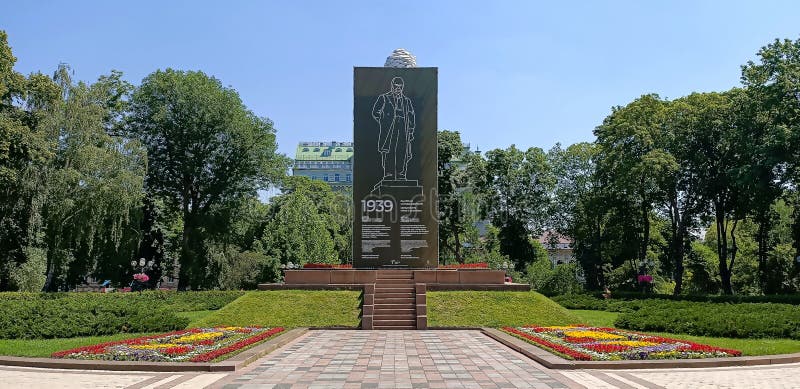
x=494, y=309
x=288, y=308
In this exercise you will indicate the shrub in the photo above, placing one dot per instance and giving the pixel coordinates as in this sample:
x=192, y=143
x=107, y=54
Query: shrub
x=747, y=320
x=65, y=315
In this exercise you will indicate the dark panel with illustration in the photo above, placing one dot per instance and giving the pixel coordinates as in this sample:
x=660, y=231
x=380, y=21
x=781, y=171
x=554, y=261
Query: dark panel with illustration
x=394, y=168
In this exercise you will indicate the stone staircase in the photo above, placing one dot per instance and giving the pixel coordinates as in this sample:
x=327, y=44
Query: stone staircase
x=395, y=302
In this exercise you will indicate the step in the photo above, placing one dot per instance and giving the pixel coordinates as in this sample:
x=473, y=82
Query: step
x=394, y=311
x=394, y=322
x=394, y=290
x=394, y=327
x=380, y=316
x=392, y=305
x=408, y=293
x=394, y=275
x=394, y=281
x=408, y=301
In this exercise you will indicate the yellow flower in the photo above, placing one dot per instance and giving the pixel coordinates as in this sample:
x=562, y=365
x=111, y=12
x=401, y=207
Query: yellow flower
x=592, y=334
x=198, y=337
x=229, y=328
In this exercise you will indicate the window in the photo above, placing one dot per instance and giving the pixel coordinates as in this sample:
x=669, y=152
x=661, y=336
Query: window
x=326, y=153
x=313, y=177
x=325, y=178
x=336, y=177
x=349, y=177
x=305, y=148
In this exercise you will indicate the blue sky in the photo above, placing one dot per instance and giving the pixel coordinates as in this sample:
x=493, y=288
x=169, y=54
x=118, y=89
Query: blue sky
x=510, y=72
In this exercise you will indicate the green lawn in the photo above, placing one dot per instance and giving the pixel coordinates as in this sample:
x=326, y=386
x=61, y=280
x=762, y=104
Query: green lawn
x=45, y=347
x=494, y=309
x=746, y=346
x=288, y=308
x=194, y=316
x=595, y=318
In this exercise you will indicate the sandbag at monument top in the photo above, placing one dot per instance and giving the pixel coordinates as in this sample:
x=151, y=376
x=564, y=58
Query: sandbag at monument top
x=394, y=165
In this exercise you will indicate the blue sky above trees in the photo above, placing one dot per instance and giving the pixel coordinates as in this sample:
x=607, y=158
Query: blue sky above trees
x=526, y=73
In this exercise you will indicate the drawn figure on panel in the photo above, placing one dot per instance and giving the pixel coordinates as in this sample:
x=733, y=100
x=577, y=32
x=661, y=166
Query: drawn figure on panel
x=394, y=113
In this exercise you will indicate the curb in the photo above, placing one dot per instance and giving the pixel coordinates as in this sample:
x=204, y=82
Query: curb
x=233, y=363
x=551, y=361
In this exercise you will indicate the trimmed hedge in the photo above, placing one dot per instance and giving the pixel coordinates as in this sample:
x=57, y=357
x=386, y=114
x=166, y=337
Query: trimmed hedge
x=793, y=299
x=718, y=319
x=65, y=315
x=746, y=320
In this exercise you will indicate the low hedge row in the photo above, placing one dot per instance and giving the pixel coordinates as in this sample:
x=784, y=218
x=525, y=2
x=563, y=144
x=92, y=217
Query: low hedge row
x=66, y=315
x=793, y=299
x=746, y=320
x=177, y=301
x=720, y=319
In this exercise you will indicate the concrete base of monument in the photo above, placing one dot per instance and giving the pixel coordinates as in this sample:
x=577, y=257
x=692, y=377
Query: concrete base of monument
x=433, y=279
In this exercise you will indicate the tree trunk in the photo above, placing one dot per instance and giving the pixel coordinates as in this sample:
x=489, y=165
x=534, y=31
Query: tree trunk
x=645, y=233
x=762, y=237
x=722, y=249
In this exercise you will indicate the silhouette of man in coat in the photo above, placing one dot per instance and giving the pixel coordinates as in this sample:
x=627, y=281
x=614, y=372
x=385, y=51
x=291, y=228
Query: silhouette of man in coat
x=396, y=121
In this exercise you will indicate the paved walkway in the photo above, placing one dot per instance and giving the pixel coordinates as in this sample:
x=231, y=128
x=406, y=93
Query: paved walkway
x=404, y=359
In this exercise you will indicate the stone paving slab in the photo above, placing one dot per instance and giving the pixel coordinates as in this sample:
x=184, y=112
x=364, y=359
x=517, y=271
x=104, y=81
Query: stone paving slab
x=404, y=359
x=393, y=359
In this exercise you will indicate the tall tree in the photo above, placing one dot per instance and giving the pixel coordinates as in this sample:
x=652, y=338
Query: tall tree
x=633, y=160
x=717, y=156
x=205, y=148
x=24, y=150
x=451, y=184
x=773, y=85
x=515, y=186
x=93, y=184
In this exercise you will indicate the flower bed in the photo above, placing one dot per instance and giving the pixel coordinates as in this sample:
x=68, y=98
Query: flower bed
x=607, y=344
x=194, y=345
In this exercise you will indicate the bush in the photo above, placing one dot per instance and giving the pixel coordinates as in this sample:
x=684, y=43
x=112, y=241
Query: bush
x=626, y=296
x=747, y=320
x=703, y=318
x=553, y=281
x=65, y=315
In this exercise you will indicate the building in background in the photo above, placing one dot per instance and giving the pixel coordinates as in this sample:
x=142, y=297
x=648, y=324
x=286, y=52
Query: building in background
x=559, y=247
x=331, y=162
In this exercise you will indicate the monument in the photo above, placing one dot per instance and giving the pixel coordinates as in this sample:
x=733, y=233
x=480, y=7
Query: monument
x=394, y=165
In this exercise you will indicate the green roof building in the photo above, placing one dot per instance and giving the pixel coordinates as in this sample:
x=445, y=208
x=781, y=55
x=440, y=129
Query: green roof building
x=331, y=162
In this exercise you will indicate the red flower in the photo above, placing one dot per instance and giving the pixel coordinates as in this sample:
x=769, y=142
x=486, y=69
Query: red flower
x=550, y=345
x=177, y=350
x=100, y=348
x=606, y=348
x=211, y=355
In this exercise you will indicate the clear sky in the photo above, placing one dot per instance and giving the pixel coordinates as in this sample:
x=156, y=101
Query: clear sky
x=510, y=72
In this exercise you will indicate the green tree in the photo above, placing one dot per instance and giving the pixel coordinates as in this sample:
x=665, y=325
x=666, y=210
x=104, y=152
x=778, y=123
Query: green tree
x=24, y=150
x=515, y=188
x=297, y=232
x=205, y=149
x=718, y=154
x=93, y=185
x=773, y=87
x=454, y=211
x=634, y=162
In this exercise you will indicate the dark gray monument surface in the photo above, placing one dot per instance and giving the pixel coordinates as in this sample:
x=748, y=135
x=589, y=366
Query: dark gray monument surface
x=394, y=168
